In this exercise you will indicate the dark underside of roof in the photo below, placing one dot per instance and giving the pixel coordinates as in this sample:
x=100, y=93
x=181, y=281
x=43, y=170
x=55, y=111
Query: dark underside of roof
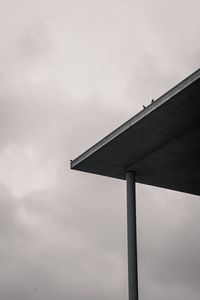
x=161, y=144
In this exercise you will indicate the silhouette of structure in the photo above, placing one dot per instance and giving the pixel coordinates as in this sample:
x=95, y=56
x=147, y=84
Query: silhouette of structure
x=159, y=146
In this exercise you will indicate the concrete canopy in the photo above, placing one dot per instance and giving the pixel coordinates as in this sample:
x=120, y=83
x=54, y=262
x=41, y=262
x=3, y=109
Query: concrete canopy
x=161, y=144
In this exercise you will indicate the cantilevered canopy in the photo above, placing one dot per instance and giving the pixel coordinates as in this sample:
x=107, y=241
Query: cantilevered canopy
x=161, y=144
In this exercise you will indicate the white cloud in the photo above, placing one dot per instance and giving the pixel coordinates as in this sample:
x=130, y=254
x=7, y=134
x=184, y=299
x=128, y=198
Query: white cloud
x=71, y=71
x=23, y=171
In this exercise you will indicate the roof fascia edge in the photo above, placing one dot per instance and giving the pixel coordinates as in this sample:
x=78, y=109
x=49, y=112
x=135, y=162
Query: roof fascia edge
x=158, y=102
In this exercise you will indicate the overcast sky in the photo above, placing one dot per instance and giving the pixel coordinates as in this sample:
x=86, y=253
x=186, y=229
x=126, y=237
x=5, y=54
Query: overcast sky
x=70, y=72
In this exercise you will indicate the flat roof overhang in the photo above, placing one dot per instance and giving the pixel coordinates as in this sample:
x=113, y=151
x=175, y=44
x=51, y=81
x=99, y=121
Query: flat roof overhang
x=161, y=144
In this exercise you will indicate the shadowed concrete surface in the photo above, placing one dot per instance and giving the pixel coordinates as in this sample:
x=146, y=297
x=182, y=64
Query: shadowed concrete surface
x=161, y=144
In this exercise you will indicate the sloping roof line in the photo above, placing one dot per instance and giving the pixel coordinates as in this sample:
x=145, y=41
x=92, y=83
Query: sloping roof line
x=158, y=102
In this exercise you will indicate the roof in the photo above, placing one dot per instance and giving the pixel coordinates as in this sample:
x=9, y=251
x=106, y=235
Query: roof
x=161, y=144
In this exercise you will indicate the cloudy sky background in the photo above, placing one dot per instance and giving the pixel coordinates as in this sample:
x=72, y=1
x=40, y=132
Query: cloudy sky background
x=71, y=71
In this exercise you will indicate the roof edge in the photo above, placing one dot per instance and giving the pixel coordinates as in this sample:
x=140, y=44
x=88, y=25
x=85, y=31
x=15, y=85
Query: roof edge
x=151, y=107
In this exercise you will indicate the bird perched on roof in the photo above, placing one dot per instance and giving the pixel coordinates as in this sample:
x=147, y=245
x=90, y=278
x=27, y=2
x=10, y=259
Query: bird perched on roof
x=152, y=101
x=144, y=106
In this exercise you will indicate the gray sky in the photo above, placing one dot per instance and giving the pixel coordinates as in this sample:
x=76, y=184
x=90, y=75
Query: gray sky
x=71, y=71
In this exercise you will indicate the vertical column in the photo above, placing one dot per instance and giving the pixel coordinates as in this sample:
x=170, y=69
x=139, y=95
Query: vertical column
x=132, y=237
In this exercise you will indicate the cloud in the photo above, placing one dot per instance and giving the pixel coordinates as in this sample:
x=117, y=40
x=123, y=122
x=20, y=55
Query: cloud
x=71, y=73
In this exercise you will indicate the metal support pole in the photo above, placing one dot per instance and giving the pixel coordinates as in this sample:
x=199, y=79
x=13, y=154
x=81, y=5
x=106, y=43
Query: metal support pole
x=132, y=237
